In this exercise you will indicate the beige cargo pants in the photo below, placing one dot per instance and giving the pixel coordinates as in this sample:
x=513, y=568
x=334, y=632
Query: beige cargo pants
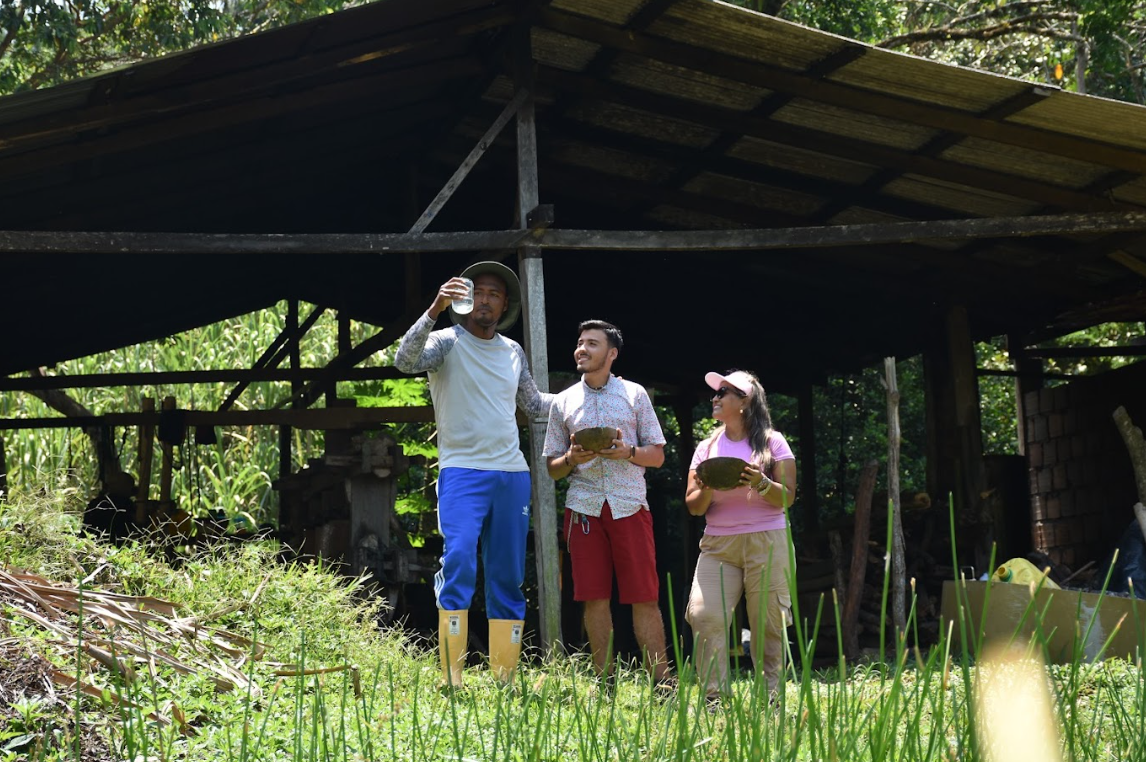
x=754, y=565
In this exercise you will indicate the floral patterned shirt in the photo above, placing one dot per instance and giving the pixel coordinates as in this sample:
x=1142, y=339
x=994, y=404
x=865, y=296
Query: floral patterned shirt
x=619, y=404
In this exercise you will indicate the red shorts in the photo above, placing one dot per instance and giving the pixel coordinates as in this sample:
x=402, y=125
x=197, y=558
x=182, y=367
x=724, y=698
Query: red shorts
x=597, y=546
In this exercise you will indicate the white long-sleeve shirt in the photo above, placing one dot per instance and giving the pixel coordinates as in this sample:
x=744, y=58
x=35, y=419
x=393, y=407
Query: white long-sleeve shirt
x=475, y=385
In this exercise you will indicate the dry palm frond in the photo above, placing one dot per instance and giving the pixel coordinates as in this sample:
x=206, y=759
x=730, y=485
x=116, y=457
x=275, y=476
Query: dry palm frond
x=121, y=633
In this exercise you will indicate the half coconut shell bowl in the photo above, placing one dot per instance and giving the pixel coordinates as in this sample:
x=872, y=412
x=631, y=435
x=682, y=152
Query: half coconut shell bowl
x=595, y=439
x=721, y=473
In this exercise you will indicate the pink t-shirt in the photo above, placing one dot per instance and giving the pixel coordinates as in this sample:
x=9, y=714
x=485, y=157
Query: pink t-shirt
x=742, y=510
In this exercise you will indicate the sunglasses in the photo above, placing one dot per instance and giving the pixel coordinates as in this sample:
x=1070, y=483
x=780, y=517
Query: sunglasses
x=726, y=390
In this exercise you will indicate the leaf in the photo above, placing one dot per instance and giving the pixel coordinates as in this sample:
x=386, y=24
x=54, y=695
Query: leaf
x=13, y=744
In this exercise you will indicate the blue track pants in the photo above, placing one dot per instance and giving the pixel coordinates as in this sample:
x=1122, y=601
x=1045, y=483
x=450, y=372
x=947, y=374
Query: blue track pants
x=493, y=507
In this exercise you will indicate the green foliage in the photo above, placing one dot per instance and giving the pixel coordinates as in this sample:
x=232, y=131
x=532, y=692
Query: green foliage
x=44, y=43
x=912, y=704
x=1045, y=41
x=858, y=19
x=850, y=418
x=234, y=475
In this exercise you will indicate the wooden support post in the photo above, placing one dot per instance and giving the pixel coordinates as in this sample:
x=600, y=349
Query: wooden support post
x=167, y=465
x=898, y=564
x=285, y=459
x=536, y=345
x=1028, y=378
x=146, y=451
x=809, y=503
x=372, y=503
x=971, y=476
x=344, y=342
x=3, y=471
x=689, y=524
x=850, y=616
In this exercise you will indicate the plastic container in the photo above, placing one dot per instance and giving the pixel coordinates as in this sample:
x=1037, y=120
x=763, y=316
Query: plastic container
x=465, y=305
x=1020, y=571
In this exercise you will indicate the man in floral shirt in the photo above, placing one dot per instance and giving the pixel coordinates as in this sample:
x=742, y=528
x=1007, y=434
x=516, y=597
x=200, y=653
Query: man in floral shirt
x=608, y=526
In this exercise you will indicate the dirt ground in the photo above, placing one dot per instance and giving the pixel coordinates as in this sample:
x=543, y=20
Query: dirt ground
x=26, y=675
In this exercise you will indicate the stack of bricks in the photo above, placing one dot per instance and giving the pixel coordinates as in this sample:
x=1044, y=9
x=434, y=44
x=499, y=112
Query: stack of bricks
x=1079, y=470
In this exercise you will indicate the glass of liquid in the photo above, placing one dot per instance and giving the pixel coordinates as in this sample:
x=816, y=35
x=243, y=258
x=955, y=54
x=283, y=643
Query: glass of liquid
x=465, y=305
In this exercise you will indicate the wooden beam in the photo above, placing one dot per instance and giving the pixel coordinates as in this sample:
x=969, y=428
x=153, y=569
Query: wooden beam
x=991, y=275
x=314, y=419
x=827, y=143
x=1021, y=373
x=1129, y=261
x=250, y=83
x=272, y=357
x=106, y=380
x=835, y=93
x=531, y=268
x=1065, y=353
x=875, y=184
x=132, y=137
x=717, y=162
x=715, y=152
x=22, y=242
x=463, y=170
x=44, y=242
x=626, y=190
x=844, y=235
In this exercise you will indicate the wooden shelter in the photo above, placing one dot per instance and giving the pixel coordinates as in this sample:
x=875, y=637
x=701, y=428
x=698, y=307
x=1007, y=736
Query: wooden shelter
x=729, y=188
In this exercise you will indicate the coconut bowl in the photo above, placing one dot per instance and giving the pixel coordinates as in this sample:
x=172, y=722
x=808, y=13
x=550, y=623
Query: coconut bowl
x=721, y=473
x=595, y=439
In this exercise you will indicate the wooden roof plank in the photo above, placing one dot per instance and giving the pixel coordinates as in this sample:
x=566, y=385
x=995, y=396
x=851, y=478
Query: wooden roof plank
x=845, y=96
x=828, y=144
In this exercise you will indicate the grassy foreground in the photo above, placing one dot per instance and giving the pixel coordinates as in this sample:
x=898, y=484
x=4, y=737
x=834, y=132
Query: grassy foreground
x=328, y=684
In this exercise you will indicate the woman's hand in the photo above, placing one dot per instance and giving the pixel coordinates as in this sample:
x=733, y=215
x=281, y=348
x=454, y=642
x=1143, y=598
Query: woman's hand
x=752, y=477
x=697, y=496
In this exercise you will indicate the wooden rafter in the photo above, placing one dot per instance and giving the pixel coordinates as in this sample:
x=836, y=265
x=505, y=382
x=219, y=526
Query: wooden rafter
x=571, y=240
x=717, y=150
x=221, y=375
x=933, y=149
x=409, y=83
x=829, y=144
x=309, y=419
x=245, y=84
x=841, y=95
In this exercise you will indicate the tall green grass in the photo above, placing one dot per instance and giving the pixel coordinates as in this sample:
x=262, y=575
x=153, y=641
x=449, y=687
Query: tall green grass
x=912, y=704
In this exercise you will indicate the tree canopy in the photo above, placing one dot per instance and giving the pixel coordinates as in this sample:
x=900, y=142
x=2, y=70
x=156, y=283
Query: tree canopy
x=1090, y=46
x=46, y=42
x=1096, y=46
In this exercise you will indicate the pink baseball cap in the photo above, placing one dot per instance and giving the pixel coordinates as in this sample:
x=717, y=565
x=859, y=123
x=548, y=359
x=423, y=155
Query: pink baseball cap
x=738, y=380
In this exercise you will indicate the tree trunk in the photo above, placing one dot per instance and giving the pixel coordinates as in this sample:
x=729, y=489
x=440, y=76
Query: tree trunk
x=859, y=558
x=1132, y=436
x=1136, y=445
x=898, y=566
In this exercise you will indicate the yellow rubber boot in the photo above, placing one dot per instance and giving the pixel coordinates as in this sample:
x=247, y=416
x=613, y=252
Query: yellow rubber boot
x=504, y=647
x=453, y=632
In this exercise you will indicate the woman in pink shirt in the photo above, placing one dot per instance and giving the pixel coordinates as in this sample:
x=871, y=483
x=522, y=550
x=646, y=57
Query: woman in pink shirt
x=744, y=550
